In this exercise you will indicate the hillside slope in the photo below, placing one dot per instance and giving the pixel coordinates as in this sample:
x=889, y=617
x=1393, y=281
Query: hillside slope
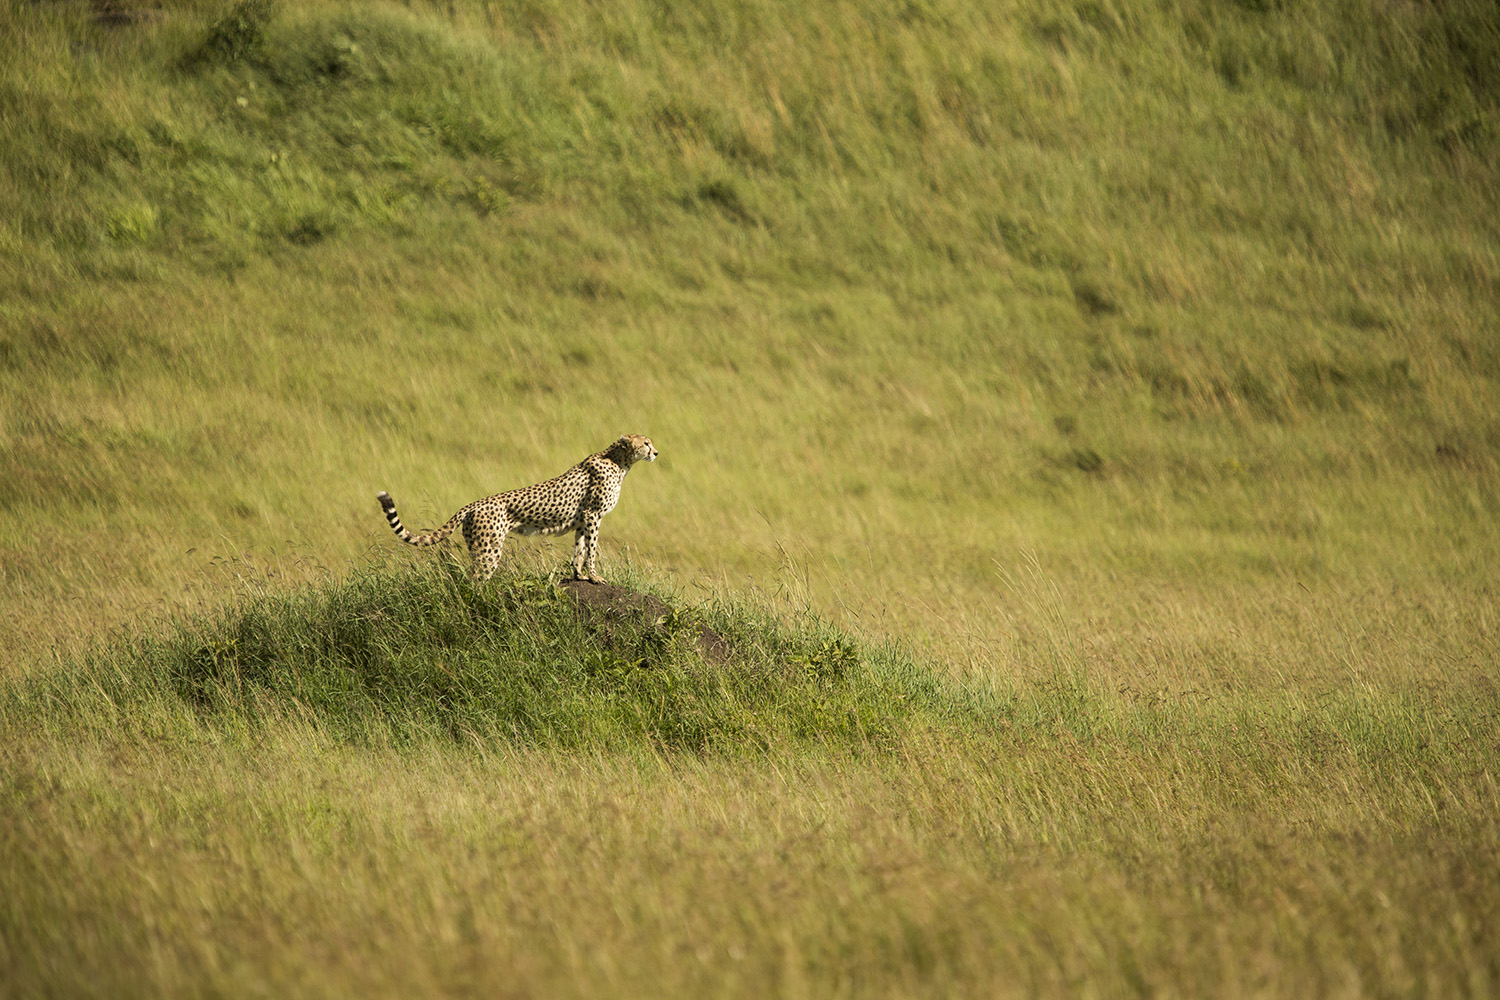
x=1196, y=293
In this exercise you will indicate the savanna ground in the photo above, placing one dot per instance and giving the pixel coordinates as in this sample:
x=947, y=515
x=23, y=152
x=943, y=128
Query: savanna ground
x=1080, y=420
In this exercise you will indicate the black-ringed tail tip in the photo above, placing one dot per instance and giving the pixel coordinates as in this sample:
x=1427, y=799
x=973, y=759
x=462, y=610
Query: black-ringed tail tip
x=575, y=501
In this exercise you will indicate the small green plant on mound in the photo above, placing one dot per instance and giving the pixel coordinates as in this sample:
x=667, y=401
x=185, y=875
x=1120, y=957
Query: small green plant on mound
x=404, y=656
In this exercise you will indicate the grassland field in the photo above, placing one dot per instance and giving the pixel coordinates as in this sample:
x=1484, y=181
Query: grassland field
x=1080, y=420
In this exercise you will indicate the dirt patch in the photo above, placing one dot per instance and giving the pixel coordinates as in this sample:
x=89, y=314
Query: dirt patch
x=602, y=605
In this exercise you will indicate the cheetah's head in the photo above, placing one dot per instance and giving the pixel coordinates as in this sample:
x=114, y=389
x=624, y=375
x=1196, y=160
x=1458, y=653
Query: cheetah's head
x=638, y=447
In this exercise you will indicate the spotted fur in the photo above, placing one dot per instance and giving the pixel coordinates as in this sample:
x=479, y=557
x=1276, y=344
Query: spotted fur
x=575, y=501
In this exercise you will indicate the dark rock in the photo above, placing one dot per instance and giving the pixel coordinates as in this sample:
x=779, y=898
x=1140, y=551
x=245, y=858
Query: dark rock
x=603, y=606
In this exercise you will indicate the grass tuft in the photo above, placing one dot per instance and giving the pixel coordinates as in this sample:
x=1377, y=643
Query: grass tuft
x=238, y=33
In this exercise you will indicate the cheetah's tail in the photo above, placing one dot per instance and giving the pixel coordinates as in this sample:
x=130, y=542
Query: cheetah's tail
x=431, y=538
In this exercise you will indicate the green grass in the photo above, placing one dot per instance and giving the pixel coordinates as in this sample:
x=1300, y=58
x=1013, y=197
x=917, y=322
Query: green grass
x=404, y=783
x=1081, y=419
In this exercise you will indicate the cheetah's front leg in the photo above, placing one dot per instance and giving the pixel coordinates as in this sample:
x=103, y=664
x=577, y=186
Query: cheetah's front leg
x=586, y=548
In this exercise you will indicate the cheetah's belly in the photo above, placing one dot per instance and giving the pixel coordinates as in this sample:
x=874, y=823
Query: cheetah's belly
x=536, y=528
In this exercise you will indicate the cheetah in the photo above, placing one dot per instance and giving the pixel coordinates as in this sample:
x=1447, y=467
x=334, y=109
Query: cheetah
x=575, y=501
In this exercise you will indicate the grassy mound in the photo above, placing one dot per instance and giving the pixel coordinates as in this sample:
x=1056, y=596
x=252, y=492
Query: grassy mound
x=398, y=658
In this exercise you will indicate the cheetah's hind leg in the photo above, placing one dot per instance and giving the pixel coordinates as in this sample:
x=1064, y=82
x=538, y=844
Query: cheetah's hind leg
x=485, y=545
